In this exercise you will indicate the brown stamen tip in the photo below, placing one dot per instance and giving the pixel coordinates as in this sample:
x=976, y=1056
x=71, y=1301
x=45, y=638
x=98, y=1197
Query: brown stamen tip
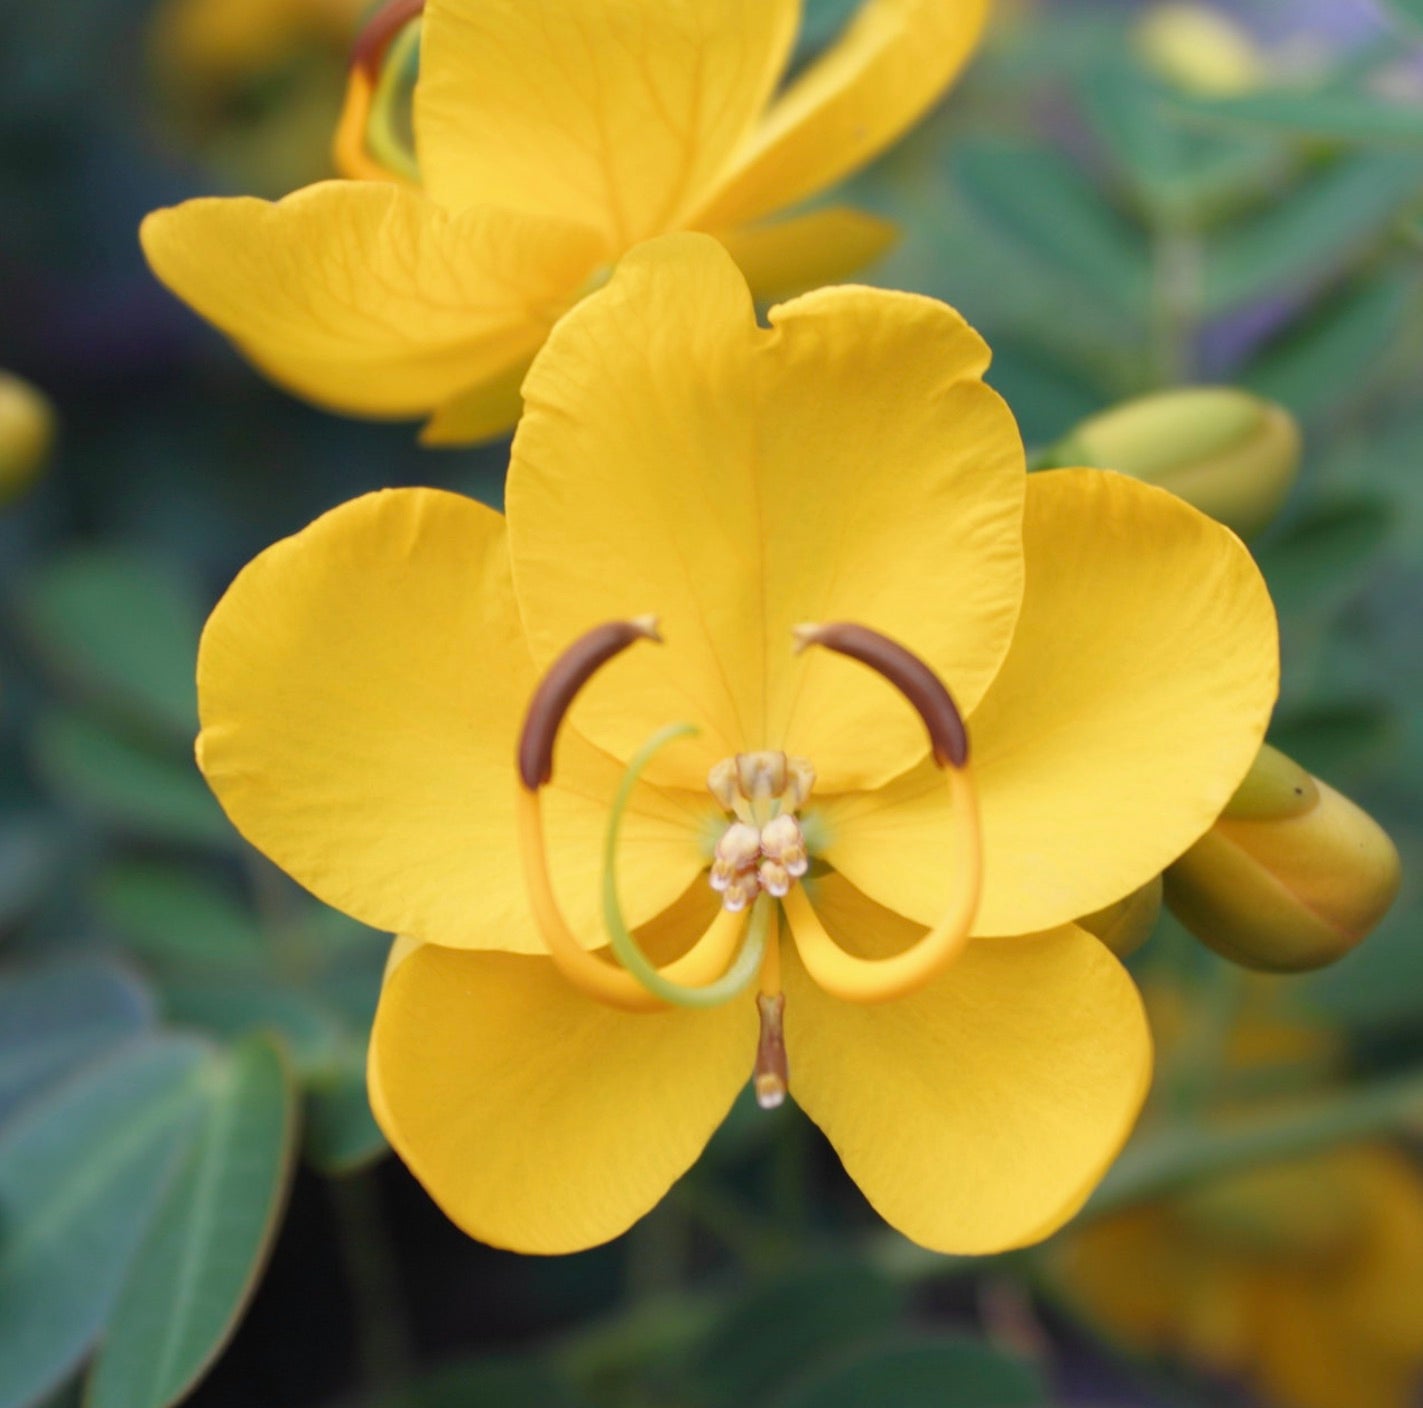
x=379, y=33
x=772, y=1076
x=559, y=687
x=907, y=673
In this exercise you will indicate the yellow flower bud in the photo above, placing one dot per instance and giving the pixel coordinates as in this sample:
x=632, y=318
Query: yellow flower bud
x=1199, y=49
x=1291, y=877
x=1127, y=924
x=26, y=435
x=1228, y=453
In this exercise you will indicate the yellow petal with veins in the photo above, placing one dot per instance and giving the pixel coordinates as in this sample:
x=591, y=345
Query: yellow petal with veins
x=617, y=114
x=674, y=457
x=786, y=257
x=361, y=686
x=365, y=296
x=1132, y=702
x=893, y=62
x=977, y=1114
x=538, y=1120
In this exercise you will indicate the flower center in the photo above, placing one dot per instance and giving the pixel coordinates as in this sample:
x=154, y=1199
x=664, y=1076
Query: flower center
x=763, y=848
x=759, y=856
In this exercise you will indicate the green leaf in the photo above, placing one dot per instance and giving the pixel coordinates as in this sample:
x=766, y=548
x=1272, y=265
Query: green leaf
x=233, y=1008
x=81, y=1174
x=130, y=788
x=1325, y=552
x=1328, y=359
x=198, y=1266
x=341, y=1133
x=497, y=1383
x=29, y=855
x=175, y=918
x=1036, y=199
x=1409, y=11
x=1318, y=230
x=1327, y=115
x=122, y=628
x=921, y=1372
x=55, y=1020
x=813, y=1311
x=1179, y=176
x=1332, y=738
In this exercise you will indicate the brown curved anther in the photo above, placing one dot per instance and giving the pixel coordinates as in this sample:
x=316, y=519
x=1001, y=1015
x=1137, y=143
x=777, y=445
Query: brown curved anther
x=907, y=673
x=380, y=31
x=558, y=688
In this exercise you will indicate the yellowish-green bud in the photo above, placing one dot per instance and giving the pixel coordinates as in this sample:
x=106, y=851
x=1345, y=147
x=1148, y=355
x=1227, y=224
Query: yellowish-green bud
x=1230, y=454
x=1199, y=49
x=26, y=435
x=1127, y=924
x=1291, y=877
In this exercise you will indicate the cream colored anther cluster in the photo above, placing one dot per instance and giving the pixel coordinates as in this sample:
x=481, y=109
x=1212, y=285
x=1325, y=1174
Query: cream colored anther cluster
x=763, y=848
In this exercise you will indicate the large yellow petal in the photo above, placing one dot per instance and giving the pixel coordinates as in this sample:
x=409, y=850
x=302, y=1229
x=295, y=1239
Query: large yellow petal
x=676, y=458
x=786, y=257
x=538, y=1119
x=367, y=297
x=978, y=1114
x=1131, y=704
x=616, y=114
x=892, y=63
x=361, y=687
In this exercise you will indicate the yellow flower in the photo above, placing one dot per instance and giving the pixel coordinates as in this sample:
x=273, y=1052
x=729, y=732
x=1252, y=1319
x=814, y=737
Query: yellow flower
x=551, y=137
x=205, y=42
x=1305, y=1278
x=364, y=683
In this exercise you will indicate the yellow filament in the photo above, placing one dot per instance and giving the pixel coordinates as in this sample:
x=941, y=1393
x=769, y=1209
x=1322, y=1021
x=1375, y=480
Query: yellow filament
x=869, y=980
x=705, y=961
x=348, y=147
x=770, y=983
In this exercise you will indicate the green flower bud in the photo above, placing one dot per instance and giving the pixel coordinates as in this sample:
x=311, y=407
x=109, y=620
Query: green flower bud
x=1127, y=924
x=1228, y=453
x=1199, y=49
x=1291, y=877
x=26, y=435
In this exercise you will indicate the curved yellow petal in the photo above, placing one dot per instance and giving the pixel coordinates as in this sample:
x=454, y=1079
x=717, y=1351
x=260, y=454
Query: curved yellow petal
x=1132, y=703
x=786, y=257
x=616, y=115
x=676, y=458
x=978, y=1114
x=893, y=62
x=540, y=1120
x=361, y=686
x=367, y=297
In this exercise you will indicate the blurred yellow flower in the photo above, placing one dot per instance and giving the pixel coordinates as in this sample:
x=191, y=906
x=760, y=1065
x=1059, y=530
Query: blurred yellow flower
x=552, y=137
x=1305, y=1279
x=27, y=431
x=223, y=41
x=975, y=1057
x=1199, y=48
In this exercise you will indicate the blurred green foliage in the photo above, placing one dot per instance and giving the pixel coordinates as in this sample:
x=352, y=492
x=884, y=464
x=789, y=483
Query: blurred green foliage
x=180, y=1027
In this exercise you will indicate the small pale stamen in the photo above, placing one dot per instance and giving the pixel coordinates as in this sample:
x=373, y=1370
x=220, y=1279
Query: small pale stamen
x=741, y=891
x=775, y=878
x=763, y=849
x=722, y=783
x=800, y=779
x=762, y=776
